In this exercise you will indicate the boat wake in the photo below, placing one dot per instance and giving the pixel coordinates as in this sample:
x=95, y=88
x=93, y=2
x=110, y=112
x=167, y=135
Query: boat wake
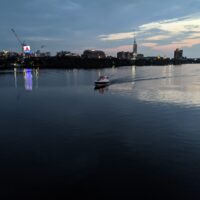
x=129, y=79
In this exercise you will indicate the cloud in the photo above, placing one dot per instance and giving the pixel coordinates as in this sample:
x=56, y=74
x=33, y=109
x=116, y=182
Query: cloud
x=117, y=49
x=171, y=27
x=194, y=35
x=40, y=38
x=79, y=22
x=149, y=44
x=177, y=26
x=158, y=37
x=173, y=45
x=169, y=34
x=116, y=36
x=167, y=48
x=188, y=42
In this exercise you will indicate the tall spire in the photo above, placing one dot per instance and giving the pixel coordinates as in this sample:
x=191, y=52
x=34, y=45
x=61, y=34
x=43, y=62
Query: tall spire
x=134, y=37
x=134, y=47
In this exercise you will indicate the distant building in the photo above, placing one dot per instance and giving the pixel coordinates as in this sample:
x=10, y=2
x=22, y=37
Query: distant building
x=151, y=58
x=140, y=56
x=48, y=54
x=38, y=53
x=8, y=54
x=93, y=54
x=66, y=54
x=178, y=54
x=124, y=55
x=109, y=57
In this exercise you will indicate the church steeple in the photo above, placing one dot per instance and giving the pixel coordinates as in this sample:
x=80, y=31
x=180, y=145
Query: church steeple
x=134, y=47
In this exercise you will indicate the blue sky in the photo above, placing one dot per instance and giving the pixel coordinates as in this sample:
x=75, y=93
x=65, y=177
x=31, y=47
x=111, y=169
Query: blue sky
x=75, y=25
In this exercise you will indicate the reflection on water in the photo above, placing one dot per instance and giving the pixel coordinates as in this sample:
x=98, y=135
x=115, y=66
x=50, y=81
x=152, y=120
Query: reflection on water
x=28, y=75
x=177, y=85
x=133, y=69
x=15, y=77
x=166, y=84
x=28, y=79
x=102, y=89
x=126, y=83
x=182, y=97
x=163, y=84
x=64, y=138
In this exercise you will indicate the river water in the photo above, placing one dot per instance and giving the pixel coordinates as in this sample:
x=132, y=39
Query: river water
x=138, y=138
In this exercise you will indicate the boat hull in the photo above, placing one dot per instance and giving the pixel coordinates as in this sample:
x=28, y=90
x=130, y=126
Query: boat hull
x=101, y=85
x=103, y=81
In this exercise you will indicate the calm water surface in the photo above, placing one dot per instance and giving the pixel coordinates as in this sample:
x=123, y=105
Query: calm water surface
x=139, y=138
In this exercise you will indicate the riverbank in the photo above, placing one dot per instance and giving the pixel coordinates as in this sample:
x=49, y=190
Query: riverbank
x=85, y=63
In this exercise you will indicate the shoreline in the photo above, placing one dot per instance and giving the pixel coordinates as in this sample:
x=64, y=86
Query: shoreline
x=85, y=63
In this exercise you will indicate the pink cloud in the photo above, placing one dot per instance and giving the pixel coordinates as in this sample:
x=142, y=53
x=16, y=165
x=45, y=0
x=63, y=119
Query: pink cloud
x=117, y=49
x=168, y=48
x=189, y=42
x=177, y=44
x=149, y=44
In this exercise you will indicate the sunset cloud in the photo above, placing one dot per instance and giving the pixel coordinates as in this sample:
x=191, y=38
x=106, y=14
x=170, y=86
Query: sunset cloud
x=149, y=44
x=168, y=34
x=158, y=37
x=116, y=36
x=172, y=46
x=175, y=26
x=117, y=49
x=82, y=24
x=189, y=25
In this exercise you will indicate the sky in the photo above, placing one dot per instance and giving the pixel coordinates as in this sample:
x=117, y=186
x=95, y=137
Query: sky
x=74, y=25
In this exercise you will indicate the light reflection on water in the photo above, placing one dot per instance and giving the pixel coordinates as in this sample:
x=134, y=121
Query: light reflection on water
x=169, y=84
x=179, y=85
x=162, y=84
x=187, y=98
x=28, y=75
x=63, y=136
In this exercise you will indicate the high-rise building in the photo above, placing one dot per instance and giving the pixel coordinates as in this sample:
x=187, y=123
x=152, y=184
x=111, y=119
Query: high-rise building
x=96, y=54
x=124, y=55
x=178, y=54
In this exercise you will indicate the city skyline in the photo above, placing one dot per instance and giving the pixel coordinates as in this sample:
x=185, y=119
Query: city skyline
x=160, y=27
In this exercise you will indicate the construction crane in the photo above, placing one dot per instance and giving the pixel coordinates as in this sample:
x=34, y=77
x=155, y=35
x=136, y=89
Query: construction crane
x=22, y=44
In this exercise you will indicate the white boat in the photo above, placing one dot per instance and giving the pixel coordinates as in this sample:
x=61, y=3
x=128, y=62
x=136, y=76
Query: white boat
x=102, y=81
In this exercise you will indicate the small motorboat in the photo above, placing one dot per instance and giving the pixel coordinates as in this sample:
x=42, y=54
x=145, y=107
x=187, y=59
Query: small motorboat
x=102, y=81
